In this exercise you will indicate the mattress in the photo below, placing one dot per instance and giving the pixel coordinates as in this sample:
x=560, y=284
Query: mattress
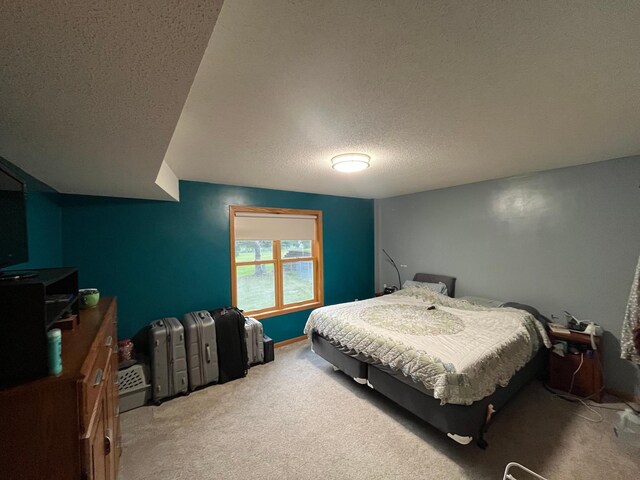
x=448, y=348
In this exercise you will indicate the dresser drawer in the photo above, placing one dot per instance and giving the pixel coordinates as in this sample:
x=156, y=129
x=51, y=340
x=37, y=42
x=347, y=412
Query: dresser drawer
x=107, y=336
x=93, y=383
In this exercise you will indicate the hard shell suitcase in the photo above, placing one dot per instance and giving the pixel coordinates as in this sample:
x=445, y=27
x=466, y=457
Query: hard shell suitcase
x=202, y=351
x=232, y=348
x=269, y=353
x=168, y=358
x=253, y=337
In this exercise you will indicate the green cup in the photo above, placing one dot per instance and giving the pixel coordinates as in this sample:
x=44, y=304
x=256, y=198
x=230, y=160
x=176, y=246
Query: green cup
x=89, y=297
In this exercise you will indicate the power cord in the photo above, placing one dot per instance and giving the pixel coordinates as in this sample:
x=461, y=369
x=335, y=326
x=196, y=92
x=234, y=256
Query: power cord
x=569, y=397
x=574, y=399
x=637, y=412
x=573, y=377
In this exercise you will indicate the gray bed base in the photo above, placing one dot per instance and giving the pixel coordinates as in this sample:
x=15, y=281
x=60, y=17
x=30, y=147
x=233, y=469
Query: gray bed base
x=461, y=422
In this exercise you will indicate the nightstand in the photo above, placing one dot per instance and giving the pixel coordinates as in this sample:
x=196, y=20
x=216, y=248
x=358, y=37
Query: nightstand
x=587, y=381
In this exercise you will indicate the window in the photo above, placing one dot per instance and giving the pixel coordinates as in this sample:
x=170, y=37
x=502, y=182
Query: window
x=276, y=260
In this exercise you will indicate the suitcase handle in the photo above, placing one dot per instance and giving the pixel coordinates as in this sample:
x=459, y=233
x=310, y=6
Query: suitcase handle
x=208, y=351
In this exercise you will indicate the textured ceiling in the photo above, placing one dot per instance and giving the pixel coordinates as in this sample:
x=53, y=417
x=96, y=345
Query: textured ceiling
x=90, y=92
x=438, y=93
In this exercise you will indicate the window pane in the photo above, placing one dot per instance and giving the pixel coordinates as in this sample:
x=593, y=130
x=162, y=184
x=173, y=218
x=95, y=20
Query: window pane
x=252, y=250
x=297, y=281
x=256, y=286
x=296, y=248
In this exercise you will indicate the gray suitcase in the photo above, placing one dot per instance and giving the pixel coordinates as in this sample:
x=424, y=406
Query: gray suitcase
x=202, y=353
x=253, y=337
x=168, y=359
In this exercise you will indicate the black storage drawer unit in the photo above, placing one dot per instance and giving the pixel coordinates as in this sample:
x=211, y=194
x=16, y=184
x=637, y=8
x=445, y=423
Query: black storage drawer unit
x=25, y=317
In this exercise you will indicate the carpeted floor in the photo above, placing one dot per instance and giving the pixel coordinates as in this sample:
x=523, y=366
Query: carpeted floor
x=296, y=418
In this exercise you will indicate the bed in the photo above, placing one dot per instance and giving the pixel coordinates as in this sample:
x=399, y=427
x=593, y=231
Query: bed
x=450, y=362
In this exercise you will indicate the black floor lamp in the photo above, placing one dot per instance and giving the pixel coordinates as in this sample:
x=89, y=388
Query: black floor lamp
x=394, y=266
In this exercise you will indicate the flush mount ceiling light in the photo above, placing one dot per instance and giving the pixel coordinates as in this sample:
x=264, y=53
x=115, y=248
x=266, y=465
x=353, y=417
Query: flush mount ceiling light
x=350, y=162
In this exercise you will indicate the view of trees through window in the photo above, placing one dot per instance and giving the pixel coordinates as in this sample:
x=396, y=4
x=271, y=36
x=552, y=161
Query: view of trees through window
x=256, y=282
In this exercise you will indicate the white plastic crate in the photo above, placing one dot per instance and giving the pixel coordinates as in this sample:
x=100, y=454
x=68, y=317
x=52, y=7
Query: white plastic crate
x=135, y=391
x=508, y=474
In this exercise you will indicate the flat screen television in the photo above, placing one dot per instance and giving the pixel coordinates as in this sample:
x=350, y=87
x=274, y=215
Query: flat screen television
x=13, y=220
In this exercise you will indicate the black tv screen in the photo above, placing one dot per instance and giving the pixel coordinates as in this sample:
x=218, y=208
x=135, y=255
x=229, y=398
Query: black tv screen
x=13, y=220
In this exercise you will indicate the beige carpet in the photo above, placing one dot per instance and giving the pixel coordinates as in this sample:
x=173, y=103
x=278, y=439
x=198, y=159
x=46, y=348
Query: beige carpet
x=296, y=418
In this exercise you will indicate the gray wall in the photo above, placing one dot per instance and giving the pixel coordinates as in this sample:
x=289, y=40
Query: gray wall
x=565, y=239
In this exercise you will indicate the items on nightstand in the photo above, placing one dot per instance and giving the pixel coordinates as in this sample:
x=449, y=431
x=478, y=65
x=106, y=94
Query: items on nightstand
x=583, y=326
x=557, y=328
x=386, y=290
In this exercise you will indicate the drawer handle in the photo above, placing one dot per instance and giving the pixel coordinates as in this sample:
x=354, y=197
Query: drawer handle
x=98, y=379
x=107, y=442
x=109, y=341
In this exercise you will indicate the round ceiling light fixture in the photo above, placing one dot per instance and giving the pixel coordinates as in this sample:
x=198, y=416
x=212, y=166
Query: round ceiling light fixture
x=350, y=162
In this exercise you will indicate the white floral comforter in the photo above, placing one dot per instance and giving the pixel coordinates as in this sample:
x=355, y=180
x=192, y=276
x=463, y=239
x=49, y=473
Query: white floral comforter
x=458, y=350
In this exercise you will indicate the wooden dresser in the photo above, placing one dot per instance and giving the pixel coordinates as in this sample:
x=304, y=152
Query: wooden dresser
x=68, y=427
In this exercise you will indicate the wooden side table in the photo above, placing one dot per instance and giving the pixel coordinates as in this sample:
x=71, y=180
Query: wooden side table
x=587, y=381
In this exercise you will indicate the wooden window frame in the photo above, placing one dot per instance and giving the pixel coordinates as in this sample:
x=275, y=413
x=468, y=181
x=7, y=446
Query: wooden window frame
x=316, y=257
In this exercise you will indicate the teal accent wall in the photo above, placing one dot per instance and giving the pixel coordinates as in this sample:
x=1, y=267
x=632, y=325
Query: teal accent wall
x=44, y=219
x=168, y=258
x=44, y=230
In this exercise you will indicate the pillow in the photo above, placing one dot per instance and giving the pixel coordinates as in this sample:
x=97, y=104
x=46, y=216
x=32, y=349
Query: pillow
x=436, y=287
x=483, y=302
